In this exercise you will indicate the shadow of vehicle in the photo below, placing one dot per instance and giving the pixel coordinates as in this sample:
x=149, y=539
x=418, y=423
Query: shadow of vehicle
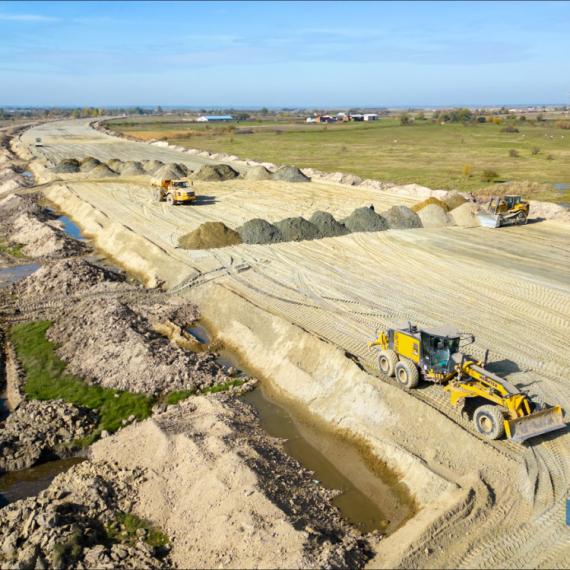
x=203, y=201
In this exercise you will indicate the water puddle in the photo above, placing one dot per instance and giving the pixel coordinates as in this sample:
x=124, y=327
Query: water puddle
x=200, y=334
x=367, y=501
x=29, y=175
x=4, y=411
x=13, y=274
x=70, y=228
x=19, y=485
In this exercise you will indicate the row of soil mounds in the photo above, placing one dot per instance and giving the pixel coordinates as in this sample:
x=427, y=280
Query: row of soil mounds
x=211, y=235
x=173, y=170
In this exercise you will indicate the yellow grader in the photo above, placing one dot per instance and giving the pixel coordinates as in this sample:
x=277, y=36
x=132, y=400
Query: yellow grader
x=434, y=355
x=504, y=211
x=172, y=191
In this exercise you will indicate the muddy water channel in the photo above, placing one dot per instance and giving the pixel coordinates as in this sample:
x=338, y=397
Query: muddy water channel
x=368, y=501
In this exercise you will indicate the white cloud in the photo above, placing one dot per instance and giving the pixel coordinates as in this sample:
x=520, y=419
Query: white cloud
x=27, y=18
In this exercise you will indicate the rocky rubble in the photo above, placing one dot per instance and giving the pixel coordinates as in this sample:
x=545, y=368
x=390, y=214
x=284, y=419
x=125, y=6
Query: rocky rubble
x=37, y=428
x=73, y=523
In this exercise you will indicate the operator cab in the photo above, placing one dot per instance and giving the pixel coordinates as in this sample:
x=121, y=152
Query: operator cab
x=512, y=201
x=179, y=184
x=438, y=346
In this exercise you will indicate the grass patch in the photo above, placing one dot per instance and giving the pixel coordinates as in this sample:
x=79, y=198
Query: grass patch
x=425, y=153
x=13, y=250
x=46, y=379
x=131, y=523
x=68, y=551
x=175, y=397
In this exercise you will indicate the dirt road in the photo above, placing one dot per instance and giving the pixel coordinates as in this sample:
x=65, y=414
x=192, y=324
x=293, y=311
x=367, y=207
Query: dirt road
x=297, y=310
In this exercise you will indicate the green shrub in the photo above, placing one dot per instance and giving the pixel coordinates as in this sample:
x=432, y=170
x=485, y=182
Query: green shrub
x=509, y=129
x=513, y=153
x=534, y=150
x=488, y=175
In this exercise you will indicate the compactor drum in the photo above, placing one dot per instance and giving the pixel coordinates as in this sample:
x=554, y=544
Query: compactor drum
x=433, y=354
x=504, y=211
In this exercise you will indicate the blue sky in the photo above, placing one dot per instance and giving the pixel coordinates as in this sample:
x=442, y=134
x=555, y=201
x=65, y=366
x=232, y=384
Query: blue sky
x=284, y=54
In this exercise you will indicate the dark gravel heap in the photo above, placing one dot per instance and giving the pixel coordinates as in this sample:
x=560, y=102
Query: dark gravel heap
x=290, y=174
x=88, y=164
x=216, y=173
x=67, y=166
x=327, y=225
x=402, y=218
x=153, y=165
x=365, y=220
x=298, y=229
x=103, y=171
x=259, y=231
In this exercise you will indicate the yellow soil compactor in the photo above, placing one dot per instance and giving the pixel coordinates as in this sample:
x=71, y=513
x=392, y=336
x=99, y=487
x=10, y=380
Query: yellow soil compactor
x=504, y=211
x=434, y=355
x=172, y=191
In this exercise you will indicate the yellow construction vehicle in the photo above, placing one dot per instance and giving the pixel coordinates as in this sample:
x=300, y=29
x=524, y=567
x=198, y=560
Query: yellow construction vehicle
x=172, y=191
x=504, y=211
x=434, y=354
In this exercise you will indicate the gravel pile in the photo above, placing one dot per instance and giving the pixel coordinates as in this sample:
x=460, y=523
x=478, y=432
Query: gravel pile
x=216, y=173
x=417, y=207
x=87, y=165
x=402, y=218
x=66, y=167
x=433, y=216
x=153, y=165
x=259, y=231
x=298, y=229
x=327, y=225
x=465, y=216
x=37, y=427
x=115, y=164
x=365, y=220
x=258, y=173
x=171, y=171
x=134, y=169
x=67, y=525
x=290, y=174
x=210, y=235
x=103, y=171
x=454, y=201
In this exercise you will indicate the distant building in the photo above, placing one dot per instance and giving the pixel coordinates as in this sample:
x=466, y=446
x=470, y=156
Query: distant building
x=311, y=119
x=371, y=117
x=208, y=118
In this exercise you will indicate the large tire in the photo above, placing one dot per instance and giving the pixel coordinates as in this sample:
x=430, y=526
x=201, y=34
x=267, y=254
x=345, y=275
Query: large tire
x=170, y=199
x=387, y=361
x=407, y=374
x=490, y=422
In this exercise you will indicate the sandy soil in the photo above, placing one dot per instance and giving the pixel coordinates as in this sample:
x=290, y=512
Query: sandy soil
x=500, y=504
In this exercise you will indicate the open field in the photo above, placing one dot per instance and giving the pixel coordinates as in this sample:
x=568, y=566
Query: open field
x=431, y=155
x=297, y=310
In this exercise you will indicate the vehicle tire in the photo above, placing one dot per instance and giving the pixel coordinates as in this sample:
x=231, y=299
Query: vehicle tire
x=490, y=422
x=170, y=199
x=387, y=361
x=407, y=374
x=521, y=218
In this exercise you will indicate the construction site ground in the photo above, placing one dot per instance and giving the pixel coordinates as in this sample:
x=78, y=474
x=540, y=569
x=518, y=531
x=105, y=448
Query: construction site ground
x=301, y=313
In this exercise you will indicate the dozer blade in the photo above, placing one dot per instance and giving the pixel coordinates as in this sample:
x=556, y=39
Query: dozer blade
x=488, y=220
x=535, y=424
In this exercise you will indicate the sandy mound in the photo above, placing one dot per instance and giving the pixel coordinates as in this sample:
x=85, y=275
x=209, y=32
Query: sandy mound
x=258, y=173
x=433, y=216
x=298, y=229
x=548, y=211
x=455, y=201
x=327, y=225
x=66, y=167
x=464, y=215
x=89, y=165
x=88, y=159
x=153, y=165
x=210, y=235
x=134, y=169
x=417, y=207
x=171, y=171
x=259, y=231
x=68, y=276
x=290, y=174
x=216, y=173
x=103, y=171
x=43, y=240
x=342, y=178
x=365, y=220
x=402, y=218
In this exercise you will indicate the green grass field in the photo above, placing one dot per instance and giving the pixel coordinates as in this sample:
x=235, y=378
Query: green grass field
x=425, y=153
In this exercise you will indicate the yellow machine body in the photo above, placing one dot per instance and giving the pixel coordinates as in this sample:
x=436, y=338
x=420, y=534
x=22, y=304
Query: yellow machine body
x=465, y=378
x=177, y=190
